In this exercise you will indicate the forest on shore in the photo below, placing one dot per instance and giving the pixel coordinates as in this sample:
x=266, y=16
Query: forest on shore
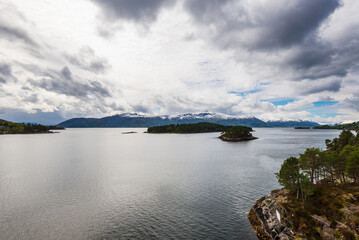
x=228, y=133
x=350, y=126
x=339, y=163
x=324, y=183
x=201, y=127
x=7, y=127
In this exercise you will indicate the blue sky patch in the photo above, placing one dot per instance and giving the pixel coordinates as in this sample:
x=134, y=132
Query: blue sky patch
x=156, y=109
x=324, y=103
x=323, y=109
x=279, y=101
x=245, y=93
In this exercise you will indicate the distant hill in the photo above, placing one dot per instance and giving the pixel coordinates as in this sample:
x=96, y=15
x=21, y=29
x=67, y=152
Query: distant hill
x=140, y=120
x=298, y=123
x=7, y=127
x=349, y=126
x=201, y=127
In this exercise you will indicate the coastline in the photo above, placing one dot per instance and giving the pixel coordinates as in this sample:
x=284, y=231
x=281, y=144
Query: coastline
x=268, y=217
x=226, y=139
x=332, y=214
x=49, y=132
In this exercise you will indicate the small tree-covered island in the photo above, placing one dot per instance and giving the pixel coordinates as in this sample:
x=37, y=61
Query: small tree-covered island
x=228, y=133
x=202, y=127
x=7, y=127
x=320, y=198
x=237, y=133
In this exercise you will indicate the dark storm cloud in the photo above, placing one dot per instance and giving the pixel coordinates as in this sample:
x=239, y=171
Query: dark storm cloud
x=87, y=60
x=141, y=108
x=5, y=69
x=66, y=73
x=207, y=11
x=323, y=71
x=273, y=25
x=326, y=98
x=144, y=11
x=16, y=34
x=312, y=87
x=62, y=82
x=294, y=25
x=288, y=29
x=33, y=98
x=310, y=55
x=269, y=26
x=319, y=60
x=98, y=66
x=6, y=73
x=352, y=103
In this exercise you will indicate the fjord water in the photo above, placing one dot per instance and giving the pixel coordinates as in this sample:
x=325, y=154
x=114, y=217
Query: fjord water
x=101, y=184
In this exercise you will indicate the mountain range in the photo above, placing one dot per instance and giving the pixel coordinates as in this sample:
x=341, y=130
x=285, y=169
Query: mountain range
x=142, y=120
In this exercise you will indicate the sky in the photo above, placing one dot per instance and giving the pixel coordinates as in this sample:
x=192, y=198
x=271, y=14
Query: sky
x=272, y=59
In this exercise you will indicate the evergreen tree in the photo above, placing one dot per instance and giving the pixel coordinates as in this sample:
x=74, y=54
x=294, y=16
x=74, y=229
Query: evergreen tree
x=352, y=164
x=289, y=175
x=310, y=162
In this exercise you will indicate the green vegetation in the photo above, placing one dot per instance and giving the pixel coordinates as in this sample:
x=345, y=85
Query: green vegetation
x=7, y=127
x=331, y=209
x=350, y=126
x=201, y=127
x=56, y=128
x=228, y=133
x=326, y=184
x=338, y=164
x=237, y=133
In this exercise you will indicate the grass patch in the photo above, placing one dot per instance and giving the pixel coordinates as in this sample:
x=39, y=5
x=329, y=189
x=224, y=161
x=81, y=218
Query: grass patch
x=335, y=203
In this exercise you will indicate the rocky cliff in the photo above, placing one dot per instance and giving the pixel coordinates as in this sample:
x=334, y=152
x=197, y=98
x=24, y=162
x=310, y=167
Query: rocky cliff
x=268, y=218
x=331, y=213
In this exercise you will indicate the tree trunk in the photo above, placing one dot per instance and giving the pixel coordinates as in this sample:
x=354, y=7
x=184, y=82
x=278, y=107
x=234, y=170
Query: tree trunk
x=311, y=176
x=302, y=196
x=344, y=177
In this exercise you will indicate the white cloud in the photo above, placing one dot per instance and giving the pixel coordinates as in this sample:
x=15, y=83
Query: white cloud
x=187, y=56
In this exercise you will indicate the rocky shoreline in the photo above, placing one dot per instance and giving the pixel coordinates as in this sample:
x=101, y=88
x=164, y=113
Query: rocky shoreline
x=269, y=218
x=226, y=139
x=333, y=214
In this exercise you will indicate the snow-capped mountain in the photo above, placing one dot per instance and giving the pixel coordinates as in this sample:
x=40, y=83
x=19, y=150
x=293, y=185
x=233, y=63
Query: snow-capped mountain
x=132, y=115
x=143, y=120
x=292, y=123
x=206, y=115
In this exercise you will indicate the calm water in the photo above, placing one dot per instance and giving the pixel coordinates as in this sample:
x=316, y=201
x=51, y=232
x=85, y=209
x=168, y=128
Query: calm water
x=101, y=184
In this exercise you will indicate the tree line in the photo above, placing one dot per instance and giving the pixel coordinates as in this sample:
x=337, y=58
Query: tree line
x=339, y=163
x=7, y=127
x=349, y=126
x=201, y=127
x=237, y=132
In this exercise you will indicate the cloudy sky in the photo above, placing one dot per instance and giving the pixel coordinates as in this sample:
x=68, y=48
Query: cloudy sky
x=273, y=59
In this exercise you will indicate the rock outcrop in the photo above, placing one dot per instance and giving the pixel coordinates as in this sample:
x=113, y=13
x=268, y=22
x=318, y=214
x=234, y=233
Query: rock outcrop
x=332, y=213
x=132, y=132
x=269, y=218
x=226, y=139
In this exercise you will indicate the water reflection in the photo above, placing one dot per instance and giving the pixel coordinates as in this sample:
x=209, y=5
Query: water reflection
x=102, y=184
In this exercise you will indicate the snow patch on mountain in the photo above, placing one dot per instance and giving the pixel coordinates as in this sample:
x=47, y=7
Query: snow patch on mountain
x=206, y=115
